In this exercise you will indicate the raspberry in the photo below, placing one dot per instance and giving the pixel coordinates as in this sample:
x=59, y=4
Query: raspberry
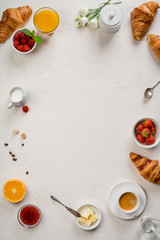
x=16, y=37
x=16, y=43
x=20, y=48
x=31, y=42
x=23, y=41
x=22, y=35
x=25, y=109
x=26, y=48
x=28, y=37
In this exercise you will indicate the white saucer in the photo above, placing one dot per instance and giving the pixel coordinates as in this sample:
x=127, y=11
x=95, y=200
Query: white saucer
x=128, y=187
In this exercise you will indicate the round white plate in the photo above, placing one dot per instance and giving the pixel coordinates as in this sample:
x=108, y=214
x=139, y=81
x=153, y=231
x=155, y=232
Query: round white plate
x=128, y=187
x=96, y=211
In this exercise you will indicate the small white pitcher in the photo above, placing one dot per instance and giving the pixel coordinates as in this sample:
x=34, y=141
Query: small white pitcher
x=17, y=97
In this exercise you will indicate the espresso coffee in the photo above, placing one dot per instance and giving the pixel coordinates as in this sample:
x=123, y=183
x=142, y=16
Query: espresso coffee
x=128, y=201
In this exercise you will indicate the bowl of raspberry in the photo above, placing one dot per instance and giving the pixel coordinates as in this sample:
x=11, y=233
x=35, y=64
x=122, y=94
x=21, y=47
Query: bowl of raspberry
x=22, y=43
x=146, y=132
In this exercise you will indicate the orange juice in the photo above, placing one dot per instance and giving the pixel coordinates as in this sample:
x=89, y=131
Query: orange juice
x=46, y=20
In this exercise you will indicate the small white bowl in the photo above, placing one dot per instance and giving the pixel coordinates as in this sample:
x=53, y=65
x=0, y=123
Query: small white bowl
x=157, y=135
x=12, y=41
x=96, y=211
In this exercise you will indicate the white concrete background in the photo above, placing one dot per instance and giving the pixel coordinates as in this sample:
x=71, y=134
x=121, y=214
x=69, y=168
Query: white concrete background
x=85, y=93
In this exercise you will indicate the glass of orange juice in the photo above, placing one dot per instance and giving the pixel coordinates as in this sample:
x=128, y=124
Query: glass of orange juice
x=46, y=20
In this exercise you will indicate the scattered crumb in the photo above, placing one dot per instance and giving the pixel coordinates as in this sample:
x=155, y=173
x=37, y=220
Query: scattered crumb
x=23, y=135
x=6, y=144
x=22, y=144
x=14, y=159
x=15, y=131
x=27, y=172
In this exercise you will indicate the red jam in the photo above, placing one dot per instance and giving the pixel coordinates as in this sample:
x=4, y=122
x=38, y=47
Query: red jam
x=29, y=215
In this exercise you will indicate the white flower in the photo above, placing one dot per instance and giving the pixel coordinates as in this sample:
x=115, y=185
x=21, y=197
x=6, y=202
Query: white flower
x=93, y=23
x=83, y=11
x=83, y=21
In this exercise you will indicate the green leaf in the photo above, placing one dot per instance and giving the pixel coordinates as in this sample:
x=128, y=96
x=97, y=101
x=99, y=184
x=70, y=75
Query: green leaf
x=27, y=32
x=37, y=39
x=33, y=33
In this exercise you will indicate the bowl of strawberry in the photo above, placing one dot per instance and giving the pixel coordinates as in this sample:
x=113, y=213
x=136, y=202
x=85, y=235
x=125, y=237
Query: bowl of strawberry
x=22, y=43
x=146, y=132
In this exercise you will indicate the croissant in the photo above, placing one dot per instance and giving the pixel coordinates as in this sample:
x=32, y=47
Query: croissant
x=149, y=169
x=142, y=18
x=12, y=19
x=154, y=42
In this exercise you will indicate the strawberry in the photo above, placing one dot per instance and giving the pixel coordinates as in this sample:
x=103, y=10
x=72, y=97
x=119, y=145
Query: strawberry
x=20, y=48
x=140, y=138
x=22, y=35
x=31, y=42
x=148, y=123
x=23, y=41
x=16, y=43
x=139, y=128
x=26, y=48
x=25, y=109
x=146, y=132
x=153, y=131
x=16, y=37
x=150, y=140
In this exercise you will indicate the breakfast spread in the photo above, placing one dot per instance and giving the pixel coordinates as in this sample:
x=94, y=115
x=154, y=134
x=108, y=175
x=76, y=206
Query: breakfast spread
x=145, y=132
x=142, y=18
x=149, y=169
x=154, y=42
x=12, y=19
x=88, y=217
x=46, y=20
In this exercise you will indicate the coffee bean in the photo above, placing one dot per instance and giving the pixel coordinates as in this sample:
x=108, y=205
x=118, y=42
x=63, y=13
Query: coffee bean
x=22, y=144
x=13, y=155
x=14, y=159
x=6, y=144
x=10, y=152
x=27, y=172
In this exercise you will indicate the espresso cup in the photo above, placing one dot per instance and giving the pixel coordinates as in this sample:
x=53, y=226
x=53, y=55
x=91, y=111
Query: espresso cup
x=17, y=97
x=128, y=202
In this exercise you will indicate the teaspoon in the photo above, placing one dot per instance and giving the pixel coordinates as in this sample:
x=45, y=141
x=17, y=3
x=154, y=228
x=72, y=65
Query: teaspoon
x=75, y=213
x=149, y=91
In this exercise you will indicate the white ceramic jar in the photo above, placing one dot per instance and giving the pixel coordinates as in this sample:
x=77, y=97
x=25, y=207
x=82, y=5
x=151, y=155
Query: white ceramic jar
x=111, y=18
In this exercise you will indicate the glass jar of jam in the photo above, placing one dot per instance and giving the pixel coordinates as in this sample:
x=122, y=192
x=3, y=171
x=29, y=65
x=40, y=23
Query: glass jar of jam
x=29, y=216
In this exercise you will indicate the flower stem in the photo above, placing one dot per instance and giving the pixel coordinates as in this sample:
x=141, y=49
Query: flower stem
x=94, y=13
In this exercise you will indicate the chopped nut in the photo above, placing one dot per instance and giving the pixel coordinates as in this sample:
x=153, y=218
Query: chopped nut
x=23, y=135
x=15, y=131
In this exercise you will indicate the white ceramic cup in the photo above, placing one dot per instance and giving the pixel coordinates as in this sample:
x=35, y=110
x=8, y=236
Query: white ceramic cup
x=17, y=97
x=133, y=210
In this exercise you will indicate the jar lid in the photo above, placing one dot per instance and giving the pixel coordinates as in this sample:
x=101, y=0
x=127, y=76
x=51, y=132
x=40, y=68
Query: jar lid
x=111, y=15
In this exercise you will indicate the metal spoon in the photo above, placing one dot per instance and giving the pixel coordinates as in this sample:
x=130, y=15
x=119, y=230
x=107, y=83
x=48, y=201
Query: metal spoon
x=149, y=91
x=75, y=213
